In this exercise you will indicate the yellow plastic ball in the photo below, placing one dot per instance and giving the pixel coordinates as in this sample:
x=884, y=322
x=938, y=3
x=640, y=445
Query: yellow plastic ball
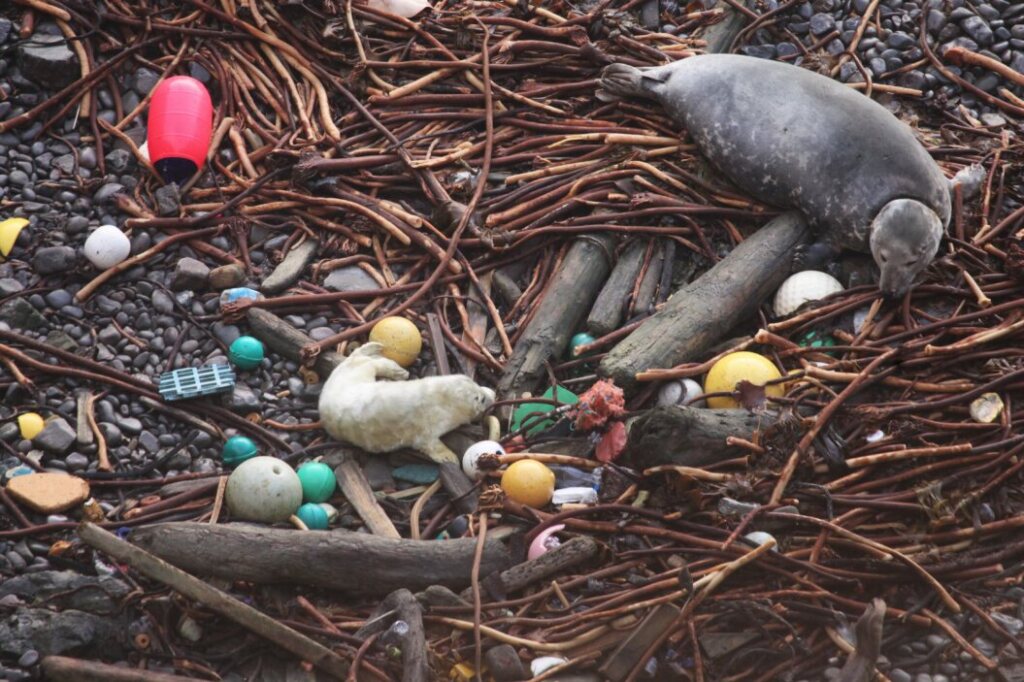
x=737, y=367
x=400, y=338
x=31, y=424
x=529, y=482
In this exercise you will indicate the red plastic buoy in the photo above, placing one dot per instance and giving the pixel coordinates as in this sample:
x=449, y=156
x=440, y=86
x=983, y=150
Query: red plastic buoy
x=180, y=125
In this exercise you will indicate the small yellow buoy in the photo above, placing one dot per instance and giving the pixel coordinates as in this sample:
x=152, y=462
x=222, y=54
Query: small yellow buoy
x=9, y=231
x=400, y=338
x=31, y=424
x=529, y=482
x=737, y=367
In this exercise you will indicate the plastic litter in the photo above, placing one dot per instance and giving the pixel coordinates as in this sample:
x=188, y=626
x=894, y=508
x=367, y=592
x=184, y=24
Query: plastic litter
x=10, y=230
x=237, y=449
x=318, y=482
x=180, y=125
x=263, y=489
x=246, y=352
x=545, y=541
x=473, y=454
x=107, y=246
x=574, y=495
x=192, y=382
x=529, y=482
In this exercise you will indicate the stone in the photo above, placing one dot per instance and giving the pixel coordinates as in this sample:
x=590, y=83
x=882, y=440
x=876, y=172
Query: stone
x=350, y=278
x=54, y=633
x=56, y=437
x=76, y=461
x=978, y=30
x=504, y=664
x=189, y=274
x=20, y=314
x=67, y=590
x=822, y=23
x=10, y=286
x=48, y=493
x=53, y=259
x=243, y=400
x=291, y=268
x=378, y=474
x=168, y=200
x=227, y=276
x=900, y=675
x=900, y=41
x=120, y=161
x=145, y=80
x=48, y=61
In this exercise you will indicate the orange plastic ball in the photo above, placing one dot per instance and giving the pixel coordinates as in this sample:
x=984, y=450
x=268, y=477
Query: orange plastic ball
x=737, y=367
x=400, y=337
x=529, y=482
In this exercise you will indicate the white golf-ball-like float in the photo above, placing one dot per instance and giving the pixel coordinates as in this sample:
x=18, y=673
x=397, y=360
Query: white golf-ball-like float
x=799, y=288
x=107, y=246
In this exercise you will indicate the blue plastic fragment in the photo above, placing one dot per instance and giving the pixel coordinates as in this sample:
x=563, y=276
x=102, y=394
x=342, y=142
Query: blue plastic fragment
x=191, y=382
x=420, y=474
x=232, y=295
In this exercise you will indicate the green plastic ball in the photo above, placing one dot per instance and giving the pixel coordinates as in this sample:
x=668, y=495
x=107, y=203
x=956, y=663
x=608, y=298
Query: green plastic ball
x=313, y=515
x=246, y=352
x=237, y=449
x=317, y=480
x=580, y=339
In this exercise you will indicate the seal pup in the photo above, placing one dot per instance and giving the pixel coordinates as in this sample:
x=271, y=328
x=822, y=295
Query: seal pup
x=797, y=139
x=388, y=415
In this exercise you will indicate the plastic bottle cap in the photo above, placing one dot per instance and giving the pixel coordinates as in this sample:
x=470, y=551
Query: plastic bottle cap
x=30, y=424
x=313, y=515
x=737, y=367
x=529, y=482
x=318, y=482
x=9, y=231
x=246, y=352
x=400, y=338
x=107, y=246
x=237, y=449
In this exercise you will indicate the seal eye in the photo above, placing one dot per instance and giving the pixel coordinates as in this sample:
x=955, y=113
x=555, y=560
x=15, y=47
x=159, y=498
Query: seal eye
x=884, y=257
x=910, y=262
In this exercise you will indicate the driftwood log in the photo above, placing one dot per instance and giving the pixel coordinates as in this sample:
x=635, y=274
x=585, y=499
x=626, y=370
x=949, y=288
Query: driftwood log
x=578, y=550
x=286, y=340
x=402, y=605
x=565, y=303
x=349, y=562
x=610, y=307
x=691, y=436
x=64, y=669
x=702, y=312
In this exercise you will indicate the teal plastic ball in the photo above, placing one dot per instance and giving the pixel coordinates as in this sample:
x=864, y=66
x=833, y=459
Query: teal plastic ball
x=237, y=449
x=313, y=515
x=246, y=352
x=318, y=481
x=580, y=339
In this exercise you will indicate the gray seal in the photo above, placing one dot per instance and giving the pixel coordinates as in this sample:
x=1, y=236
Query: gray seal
x=795, y=139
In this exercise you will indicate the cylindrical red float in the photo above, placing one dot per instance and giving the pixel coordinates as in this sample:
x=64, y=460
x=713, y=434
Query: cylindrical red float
x=180, y=125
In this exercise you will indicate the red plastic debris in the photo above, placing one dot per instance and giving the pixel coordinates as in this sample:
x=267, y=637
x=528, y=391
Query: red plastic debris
x=612, y=443
x=603, y=401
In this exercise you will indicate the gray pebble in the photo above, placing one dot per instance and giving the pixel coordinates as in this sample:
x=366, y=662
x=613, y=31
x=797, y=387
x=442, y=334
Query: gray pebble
x=76, y=461
x=162, y=302
x=129, y=425
x=149, y=441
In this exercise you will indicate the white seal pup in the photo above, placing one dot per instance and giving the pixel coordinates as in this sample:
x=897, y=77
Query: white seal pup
x=388, y=415
x=795, y=139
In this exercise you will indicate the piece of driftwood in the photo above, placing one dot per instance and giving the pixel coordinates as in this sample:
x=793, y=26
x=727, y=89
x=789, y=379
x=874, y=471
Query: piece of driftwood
x=64, y=669
x=860, y=666
x=286, y=340
x=720, y=36
x=465, y=495
x=660, y=261
x=632, y=649
x=212, y=598
x=701, y=313
x=691, y=436
x=566, y=301
x=340, y=560
x=402, y=605
x=357, y=491
x=576, y=551
x=610, y=307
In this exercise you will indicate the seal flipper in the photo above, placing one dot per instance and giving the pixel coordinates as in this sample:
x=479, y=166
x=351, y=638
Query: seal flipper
x=816, y=256
x=622, y=80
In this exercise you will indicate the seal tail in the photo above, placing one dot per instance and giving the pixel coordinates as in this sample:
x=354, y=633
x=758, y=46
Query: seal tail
x=621, y=80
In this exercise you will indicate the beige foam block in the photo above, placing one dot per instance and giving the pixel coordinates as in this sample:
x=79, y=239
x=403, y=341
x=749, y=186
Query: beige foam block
x=49, y=493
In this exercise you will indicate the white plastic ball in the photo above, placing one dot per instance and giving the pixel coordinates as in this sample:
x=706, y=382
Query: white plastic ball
x=679, y=392
x=473, y=454
x=263, y=489
x=107, y=246
x=809, y=285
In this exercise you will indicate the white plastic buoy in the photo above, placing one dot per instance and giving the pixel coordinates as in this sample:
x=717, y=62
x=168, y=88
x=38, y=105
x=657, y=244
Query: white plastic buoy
x=473, y=454
x=107, y=246
x=679, y=392
x=809, y=285
x=263, y=489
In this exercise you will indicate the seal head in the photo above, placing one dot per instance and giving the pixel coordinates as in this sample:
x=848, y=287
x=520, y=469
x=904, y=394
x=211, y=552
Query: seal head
x=904, y=239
